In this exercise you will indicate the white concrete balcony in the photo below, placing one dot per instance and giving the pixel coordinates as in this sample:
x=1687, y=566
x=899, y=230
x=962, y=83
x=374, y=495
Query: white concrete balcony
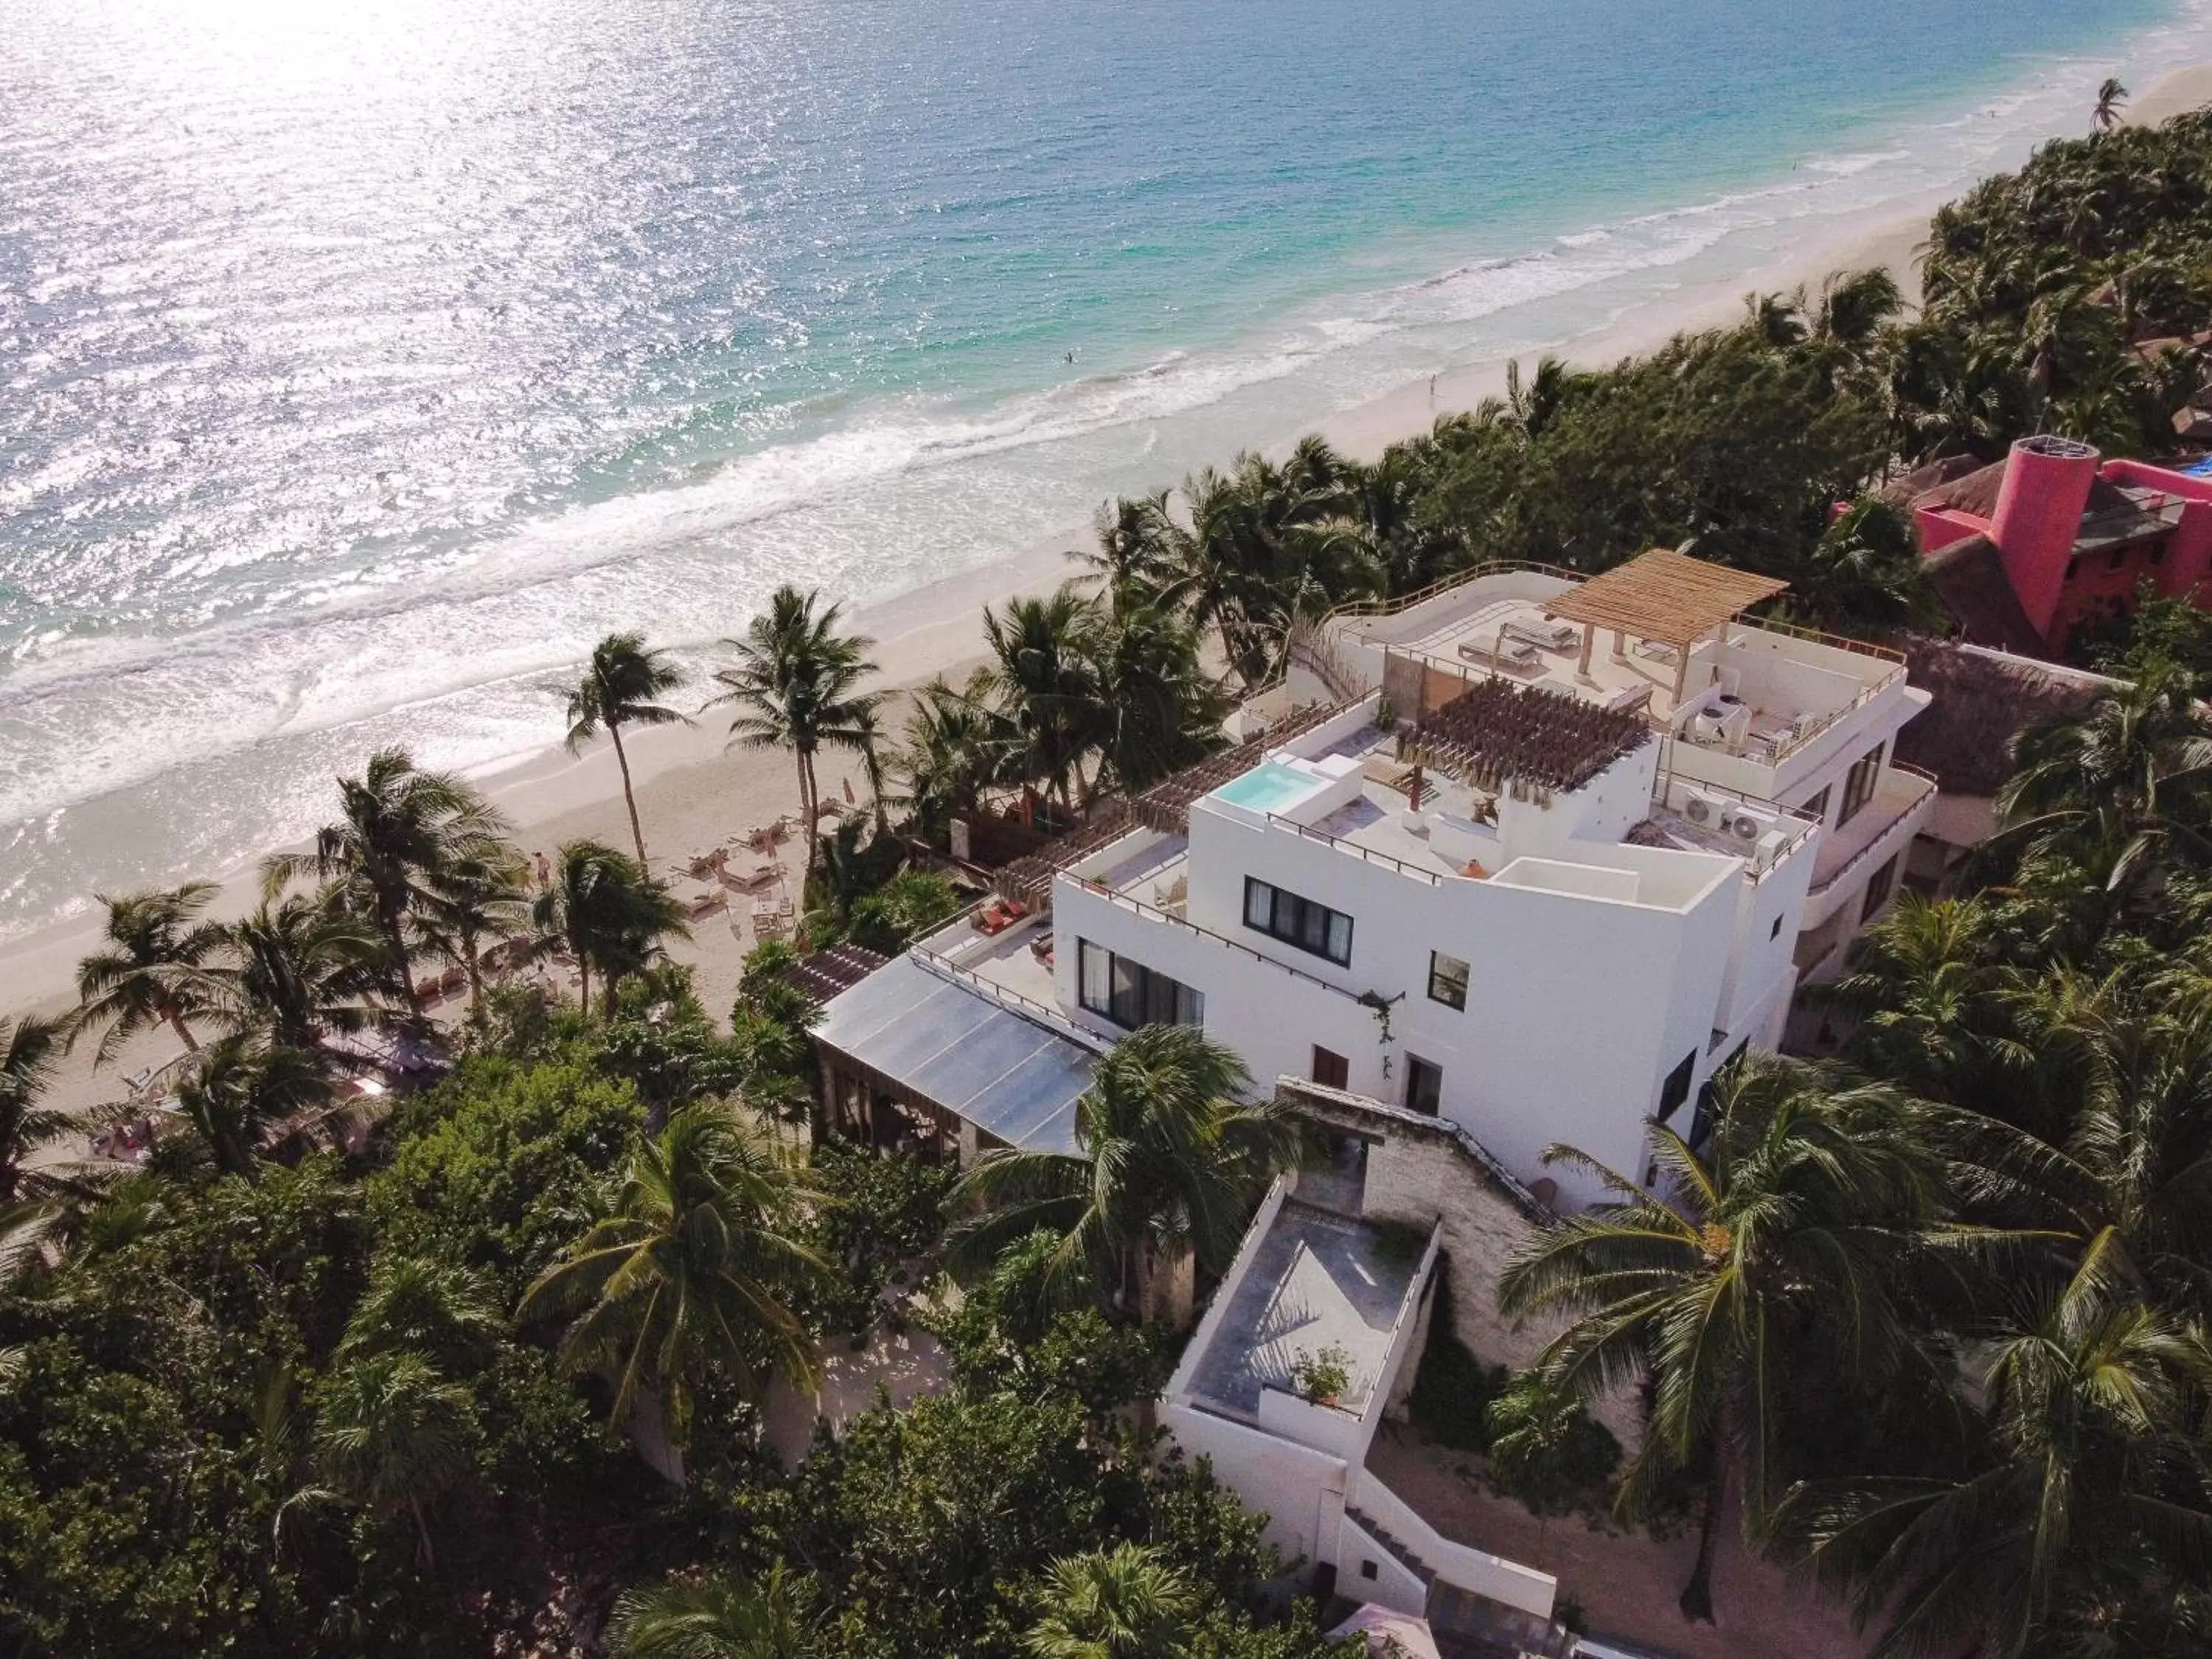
x=1881, y=829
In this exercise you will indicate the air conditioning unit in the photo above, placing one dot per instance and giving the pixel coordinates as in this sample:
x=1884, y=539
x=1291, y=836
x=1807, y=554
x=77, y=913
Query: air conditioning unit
x=1748, y=824
x=1699, y=807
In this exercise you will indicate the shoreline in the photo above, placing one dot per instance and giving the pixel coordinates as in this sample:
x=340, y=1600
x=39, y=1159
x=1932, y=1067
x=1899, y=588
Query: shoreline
x=691, y=793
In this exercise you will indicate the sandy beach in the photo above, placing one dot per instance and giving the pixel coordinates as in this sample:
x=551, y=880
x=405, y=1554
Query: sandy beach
x=693, y=793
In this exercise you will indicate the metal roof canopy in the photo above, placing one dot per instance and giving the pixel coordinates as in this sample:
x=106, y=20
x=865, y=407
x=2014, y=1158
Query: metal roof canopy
x=1668, y=597
x=1008, y=1075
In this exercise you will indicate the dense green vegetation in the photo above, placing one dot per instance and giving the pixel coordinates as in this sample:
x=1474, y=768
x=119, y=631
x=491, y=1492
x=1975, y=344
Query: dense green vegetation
x=426, y=1396
x=1933, y=1315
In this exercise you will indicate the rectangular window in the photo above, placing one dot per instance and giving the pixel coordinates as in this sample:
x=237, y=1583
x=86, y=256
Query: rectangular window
x=1701, y=1121
x=1859, y=785
x=1447, y=980
x=1878, y=890
x=1298, y=921
x=1818, y=806
x=1330, y=1070
x=2115, y=559
x=1131, y=994
x=1424, y=1085
x=2158, y=552
x=1676, y=1088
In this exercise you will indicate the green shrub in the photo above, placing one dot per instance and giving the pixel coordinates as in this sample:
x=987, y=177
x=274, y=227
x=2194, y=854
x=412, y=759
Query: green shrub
x=1452, y=1389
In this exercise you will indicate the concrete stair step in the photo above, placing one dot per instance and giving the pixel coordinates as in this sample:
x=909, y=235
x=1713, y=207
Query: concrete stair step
x=1397, y=1548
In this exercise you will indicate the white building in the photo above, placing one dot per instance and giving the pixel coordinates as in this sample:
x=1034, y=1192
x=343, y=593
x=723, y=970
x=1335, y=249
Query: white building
x=1775, y=713
x=1576, y=870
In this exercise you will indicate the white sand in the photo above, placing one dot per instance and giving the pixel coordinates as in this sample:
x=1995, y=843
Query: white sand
x=692, y=794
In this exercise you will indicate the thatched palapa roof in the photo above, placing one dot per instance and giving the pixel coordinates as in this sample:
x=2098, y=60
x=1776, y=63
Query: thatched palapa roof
x=1668, y=597
x=1969, y=576
x=1982, y=700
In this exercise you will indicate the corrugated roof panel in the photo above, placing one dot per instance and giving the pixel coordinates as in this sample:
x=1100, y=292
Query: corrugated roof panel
x=1008, y=1075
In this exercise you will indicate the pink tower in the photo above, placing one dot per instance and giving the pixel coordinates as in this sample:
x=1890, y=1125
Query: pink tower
x=2038, y=516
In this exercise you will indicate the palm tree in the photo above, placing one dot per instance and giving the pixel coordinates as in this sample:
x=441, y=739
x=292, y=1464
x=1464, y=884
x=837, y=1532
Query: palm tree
x=619, y=688
x=474, y=901
x=875, y=766
x=1126, y=1603
x=28, y=1047
x=1041, y=681
x=1400, y=547
x=1171, y=1166
x=2089, y=1453
x=25, y=1231
x=393, y=1434
x=714, y=1616
x=1789, y=1245
x=610, y=913
x=796, y=682
x=2127, y=773
x=399, y=829
x=1921, y=994
x=414, y=1305
x=1853, y=307
x=696, y=1270
x=1134, y=565
x=2110, y=96
x=299, y=969
x=1864, y=572
x=1161, y=710
x=155, y=943
x=2127, y=1174
x=246, y=1094
x=952, y=755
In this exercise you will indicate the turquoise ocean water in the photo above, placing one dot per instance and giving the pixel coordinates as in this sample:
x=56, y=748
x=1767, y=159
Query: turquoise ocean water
x=362, y=361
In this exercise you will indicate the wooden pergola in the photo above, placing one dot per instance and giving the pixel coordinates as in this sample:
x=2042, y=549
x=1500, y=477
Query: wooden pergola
x=1667, y=597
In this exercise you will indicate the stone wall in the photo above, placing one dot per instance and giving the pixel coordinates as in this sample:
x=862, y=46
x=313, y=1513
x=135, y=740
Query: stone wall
x=1421, y=1170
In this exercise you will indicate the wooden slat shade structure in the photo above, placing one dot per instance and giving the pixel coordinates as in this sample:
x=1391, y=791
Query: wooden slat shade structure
x=1668, y=597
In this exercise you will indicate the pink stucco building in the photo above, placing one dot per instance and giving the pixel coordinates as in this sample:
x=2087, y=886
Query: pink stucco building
x=2076, y=536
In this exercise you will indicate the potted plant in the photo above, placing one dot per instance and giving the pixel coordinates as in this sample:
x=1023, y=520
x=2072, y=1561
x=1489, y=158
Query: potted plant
x=1322, y=1377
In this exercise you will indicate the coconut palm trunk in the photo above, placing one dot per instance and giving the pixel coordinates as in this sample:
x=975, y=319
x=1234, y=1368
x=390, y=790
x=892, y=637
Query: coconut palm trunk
x=629, y=795
x=1697, y=1598
x=174, y=1017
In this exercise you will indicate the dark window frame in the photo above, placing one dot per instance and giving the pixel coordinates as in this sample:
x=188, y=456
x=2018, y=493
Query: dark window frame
x=1879, y=887
x=1136, y=995
x=1340, y=1064
x=1458, y=999
x=1302, y=923
x=1674, y=1088
x=1417, y=1070
x=1860, y=784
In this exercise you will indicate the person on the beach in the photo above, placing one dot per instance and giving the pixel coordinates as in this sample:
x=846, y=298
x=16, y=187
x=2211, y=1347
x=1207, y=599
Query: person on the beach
x=544, y=870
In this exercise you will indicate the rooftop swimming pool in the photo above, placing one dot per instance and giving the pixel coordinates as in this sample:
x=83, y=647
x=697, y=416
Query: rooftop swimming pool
x=1269, y=788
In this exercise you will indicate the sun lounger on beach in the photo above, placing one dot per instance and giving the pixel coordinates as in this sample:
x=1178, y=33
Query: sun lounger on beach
x=696, y=898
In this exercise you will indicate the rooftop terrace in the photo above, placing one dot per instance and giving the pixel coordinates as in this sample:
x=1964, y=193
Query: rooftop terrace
x=1315, y=1280
x=1756, y=689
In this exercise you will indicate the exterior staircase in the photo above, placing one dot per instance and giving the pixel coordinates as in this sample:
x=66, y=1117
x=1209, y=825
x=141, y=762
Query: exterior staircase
x=1312, y=650
x=1402, y=1552
x=1465, y=1623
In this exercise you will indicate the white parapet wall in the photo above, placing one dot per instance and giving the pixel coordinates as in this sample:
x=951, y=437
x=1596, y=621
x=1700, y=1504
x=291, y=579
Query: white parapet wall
x=1301, y=1463
x=1490, y=1575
